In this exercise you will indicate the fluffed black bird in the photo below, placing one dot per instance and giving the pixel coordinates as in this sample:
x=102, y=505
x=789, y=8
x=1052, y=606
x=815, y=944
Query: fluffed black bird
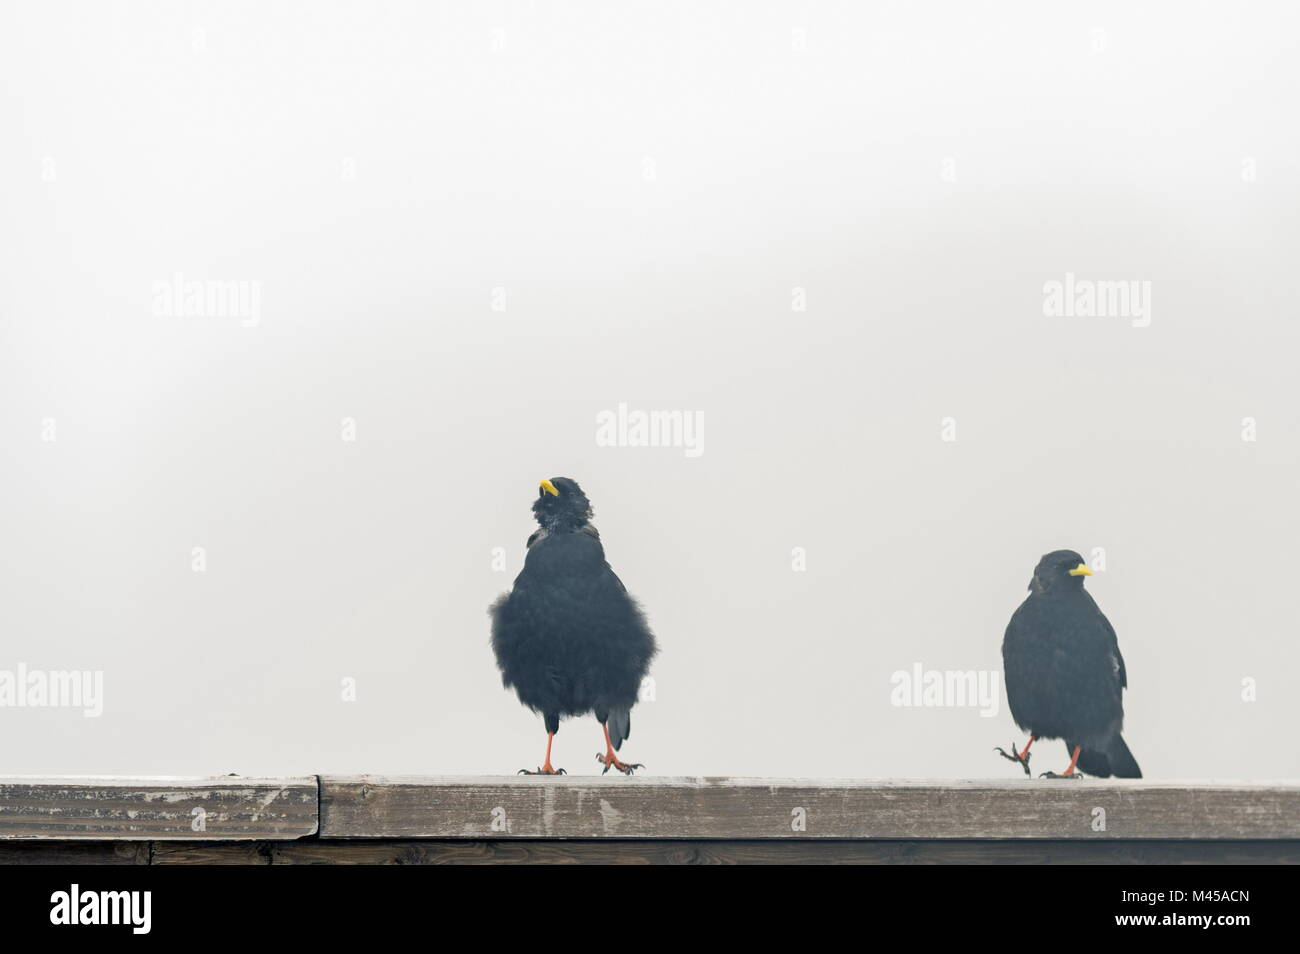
x=1064, y=674
x=568, y=637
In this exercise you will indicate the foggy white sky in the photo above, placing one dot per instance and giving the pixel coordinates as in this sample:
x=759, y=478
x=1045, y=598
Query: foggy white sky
x=644, y=187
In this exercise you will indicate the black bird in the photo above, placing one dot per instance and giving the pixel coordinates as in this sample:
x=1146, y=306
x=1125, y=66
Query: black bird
x=1064, y=673
x=568, y=637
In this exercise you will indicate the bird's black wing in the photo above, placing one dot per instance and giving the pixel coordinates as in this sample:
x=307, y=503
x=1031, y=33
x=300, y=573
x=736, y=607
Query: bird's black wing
x=592, y=532
x=1119, y=657
x=1120, y=670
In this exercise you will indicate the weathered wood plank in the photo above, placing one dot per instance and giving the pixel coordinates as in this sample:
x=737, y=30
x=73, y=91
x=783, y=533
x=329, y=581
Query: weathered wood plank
x=497, y=808
x=222, y=807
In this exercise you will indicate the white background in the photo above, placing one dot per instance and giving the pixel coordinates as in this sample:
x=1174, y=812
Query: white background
x=503, y=145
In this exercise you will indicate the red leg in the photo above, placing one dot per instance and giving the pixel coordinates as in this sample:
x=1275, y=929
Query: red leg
x=1069, y=772
x=546, y=768
x=1074, y=758
x=610, y=760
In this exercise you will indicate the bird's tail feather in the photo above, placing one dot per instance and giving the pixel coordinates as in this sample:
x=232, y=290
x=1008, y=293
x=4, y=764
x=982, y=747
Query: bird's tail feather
x=620, y=726
x=1122, y=763
x=1114, y=760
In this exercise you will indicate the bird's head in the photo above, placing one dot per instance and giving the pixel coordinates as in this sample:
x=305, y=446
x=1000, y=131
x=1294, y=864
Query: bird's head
x=1062, y=569
x=561, y=504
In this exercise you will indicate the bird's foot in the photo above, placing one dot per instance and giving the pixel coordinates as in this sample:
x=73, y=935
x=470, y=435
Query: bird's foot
x=1013, y=756
x=1066, y=775
x=610, y=760
x=544, y=770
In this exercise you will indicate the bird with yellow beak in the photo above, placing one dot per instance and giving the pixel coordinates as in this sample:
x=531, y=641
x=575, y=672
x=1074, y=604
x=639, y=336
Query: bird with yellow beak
x=1064, y=675
x=568, y=637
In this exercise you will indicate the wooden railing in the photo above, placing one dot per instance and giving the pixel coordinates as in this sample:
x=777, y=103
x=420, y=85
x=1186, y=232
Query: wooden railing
x=573, y=818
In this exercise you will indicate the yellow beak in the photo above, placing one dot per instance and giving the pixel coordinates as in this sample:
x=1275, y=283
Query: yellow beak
x=1081, y=570
x=550, y=489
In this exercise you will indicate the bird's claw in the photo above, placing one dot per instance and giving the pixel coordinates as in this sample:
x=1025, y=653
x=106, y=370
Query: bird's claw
x=1014, y=756
x=1054, y=775
x=610, y=761
x=543, y=770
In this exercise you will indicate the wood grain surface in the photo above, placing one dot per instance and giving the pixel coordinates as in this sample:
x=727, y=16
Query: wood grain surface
x=500, y=808
x=221, y=807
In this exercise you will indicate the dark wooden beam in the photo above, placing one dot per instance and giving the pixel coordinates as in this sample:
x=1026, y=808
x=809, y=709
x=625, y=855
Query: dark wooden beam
x=53, y=852
x=315, y=851
x=783, y=852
